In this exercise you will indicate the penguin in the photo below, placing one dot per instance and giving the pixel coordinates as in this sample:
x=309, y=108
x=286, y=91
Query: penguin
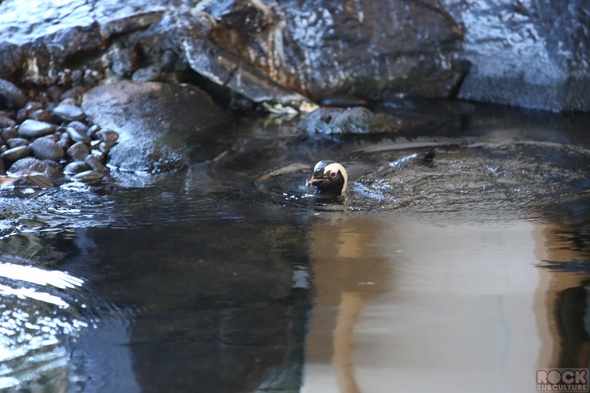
x=328, y=177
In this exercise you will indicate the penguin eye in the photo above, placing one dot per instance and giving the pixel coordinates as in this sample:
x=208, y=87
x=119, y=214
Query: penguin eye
x=332, y=175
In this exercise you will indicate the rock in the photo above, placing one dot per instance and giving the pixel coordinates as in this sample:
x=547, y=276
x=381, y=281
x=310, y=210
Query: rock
x=35, y=129
x=77, y=136
x=2, y=168
x=25, y=112
x=94, y=163
x=64, y=141
x=16, y=142
x=11, y=96
x=153, y=120
x=109, y=137
x=92, y=131
x=69, y=113
x=54, y=92
x=34, y=165
x=88, y=177
x=79, y=126
x=16, y=153
x=146, y=74
x=8, y=133
x=357, y=120
x=74, y=168
x=78, y=151
x=343, y=101
x=33, y=179
x=6, y=122
x=46, y=149
x=42, y=115
x=71, y=96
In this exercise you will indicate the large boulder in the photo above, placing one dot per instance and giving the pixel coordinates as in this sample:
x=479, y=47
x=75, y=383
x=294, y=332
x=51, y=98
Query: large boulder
x=153, y=121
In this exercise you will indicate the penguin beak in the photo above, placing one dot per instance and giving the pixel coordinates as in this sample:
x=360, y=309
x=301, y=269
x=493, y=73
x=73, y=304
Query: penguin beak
x=315, y=178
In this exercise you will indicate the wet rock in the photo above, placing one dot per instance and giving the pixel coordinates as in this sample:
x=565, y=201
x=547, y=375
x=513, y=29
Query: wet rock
x=357, y=120
x=16, y=153
x=95, y=163
x=343, y=101
x=146, y=74
x=8, y=133
x=16, y=142
x=34, y=165
x=54, y=92
x=11, y=96
x=152, y=120
x=132, y=22
x=74, y=168
x=92, y=131
x=33, y=179
x=46, y=149
x=6, y=122
x=42, y=115
x=69, y=113
x=73, y=94
x=78, y=151
x=25, y=112
x=79, y=126
x=64, y=141
x=88, y=177
x=77, y=136
x=35, y=129
x=109, y=137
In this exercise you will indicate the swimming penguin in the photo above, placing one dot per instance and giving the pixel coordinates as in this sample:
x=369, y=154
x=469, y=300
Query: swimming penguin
x=328, y=177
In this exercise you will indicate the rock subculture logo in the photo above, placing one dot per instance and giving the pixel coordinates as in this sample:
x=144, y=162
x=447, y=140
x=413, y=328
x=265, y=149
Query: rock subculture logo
x=562, y=380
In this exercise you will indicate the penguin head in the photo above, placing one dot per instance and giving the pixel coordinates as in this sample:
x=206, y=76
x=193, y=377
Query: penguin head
x=328, y=177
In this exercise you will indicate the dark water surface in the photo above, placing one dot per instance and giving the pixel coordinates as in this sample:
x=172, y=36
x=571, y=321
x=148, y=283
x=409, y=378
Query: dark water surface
x=466, y=275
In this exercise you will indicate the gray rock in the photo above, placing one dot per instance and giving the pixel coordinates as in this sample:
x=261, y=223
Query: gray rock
x=146, y=74
x=8, y=133
x=79, y=126
x=153, y=121
x=46, y=149
x=11, y=96
x=88, y=177
x=16, y=142
x=35, y=129
x=69, y=113
x=16, y=153
x=6, y=122
x=92, y=131
x=77, y=136
x=64, y=141
x=30, y=164
x=109, y=137
x=94, y=163
x=25, y=112
x=356, y=120
x=74, y=168
x=78, y=151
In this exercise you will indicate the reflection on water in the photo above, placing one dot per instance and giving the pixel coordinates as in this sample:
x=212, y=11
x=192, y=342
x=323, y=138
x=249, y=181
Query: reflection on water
x=232, y=277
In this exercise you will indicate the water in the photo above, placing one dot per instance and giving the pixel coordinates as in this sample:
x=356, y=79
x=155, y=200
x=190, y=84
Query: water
x=465, y=275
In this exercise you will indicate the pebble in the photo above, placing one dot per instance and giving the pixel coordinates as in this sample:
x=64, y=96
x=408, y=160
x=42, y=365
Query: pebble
x=35, y=129
x=74, y=168
x=11, y=96
x=77, y=136
x=6, y=122
x=8, y=133
x=88, y=176
x=109, y=137
x=42, y=115
x=79, y=126
x=64, y=141
x=46, y=149
x=93, y=130
x=24, y=113
x=16, y=142
x=68, y=112
x=78, y=151
x=16, y=153
x=54, y=92
x=94, y=163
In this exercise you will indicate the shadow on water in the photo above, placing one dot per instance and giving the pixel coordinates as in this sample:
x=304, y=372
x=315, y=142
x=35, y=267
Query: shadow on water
x=231, y=276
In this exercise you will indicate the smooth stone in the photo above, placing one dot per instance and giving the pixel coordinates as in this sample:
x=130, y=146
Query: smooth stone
x=79, y=126
x=6, y=122
x=11, y=96
x=35, y=129
x=77, y=136
x=16, y=142
x=33, y=179
x=88, y=176
x=46, y=149
x=74, y=168
x=78, y=151
x=34, y=165
x=64, y=141
x=54, y=92
x=103, y=147
x=42, y=115
x=8, y=133
x=69, y=113
x=3, y=148
x=92, y=131
x=25, y=113
x=94, y=163
x=73, y=94
x=16, y=153
x=109, y=137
